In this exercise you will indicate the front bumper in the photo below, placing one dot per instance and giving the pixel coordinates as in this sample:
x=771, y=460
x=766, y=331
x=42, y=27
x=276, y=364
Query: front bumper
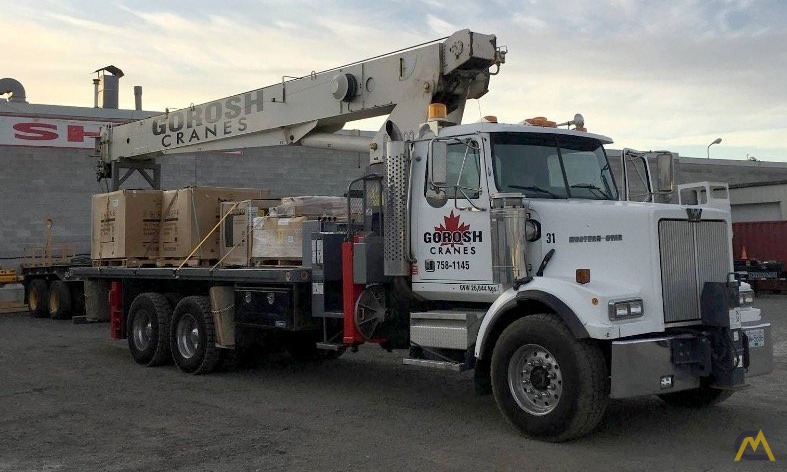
x=675, y=362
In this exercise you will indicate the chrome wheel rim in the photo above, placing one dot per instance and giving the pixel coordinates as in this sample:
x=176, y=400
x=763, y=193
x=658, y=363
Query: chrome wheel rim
x=535, y=379
x=187, y=334
x=142, y=329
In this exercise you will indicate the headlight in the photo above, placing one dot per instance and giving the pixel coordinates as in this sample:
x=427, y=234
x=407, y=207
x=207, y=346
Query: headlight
x=625, y=309
x=746, y=298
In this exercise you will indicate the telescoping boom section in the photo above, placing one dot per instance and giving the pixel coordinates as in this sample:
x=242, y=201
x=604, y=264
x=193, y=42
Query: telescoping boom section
x=309, y=109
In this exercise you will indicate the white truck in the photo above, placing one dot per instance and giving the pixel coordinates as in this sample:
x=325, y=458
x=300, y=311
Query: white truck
x=503, y=248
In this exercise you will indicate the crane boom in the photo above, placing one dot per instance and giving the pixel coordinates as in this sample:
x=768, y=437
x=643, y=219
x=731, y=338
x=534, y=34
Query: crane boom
x=308, y=110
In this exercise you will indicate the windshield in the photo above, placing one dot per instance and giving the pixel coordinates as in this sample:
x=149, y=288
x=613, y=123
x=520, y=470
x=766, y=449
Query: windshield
x=552, y=166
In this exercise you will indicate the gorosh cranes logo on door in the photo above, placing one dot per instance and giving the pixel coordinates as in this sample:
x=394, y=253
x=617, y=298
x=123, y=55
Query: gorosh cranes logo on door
x=751, y=440
x=453, y=236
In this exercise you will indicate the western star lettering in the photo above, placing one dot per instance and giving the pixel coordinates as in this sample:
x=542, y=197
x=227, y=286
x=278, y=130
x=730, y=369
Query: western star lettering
x=595, y=238
x=201, y=123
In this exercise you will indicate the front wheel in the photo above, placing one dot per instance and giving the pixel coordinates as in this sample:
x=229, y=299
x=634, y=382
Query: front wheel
x=193, y=336
x=549, y=384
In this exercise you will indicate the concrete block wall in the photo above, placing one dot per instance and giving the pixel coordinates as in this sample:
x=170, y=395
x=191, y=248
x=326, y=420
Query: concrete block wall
x=40, y=182
x=56, y=182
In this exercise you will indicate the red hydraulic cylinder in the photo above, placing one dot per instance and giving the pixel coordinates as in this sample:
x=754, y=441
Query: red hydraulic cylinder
x=350, y=294
x=116, y=309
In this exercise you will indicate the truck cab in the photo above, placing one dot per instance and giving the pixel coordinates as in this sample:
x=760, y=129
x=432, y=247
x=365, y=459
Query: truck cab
x=522, y=226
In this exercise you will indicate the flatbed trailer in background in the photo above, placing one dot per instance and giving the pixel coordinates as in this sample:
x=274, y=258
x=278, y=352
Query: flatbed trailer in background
x=47, y=290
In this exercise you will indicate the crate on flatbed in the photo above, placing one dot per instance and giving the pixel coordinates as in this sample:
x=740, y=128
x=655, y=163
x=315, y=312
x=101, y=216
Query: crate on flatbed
x=278, y=238
x=125, y=225
x=190, y=215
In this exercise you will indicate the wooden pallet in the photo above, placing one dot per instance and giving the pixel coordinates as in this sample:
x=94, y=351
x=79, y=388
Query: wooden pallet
x=12, y=307
x=177, y=261
x=274, y=262
x=124, y=262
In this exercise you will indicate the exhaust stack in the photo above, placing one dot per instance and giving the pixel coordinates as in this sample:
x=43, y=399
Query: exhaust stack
x=138, y=97
x=108, y=86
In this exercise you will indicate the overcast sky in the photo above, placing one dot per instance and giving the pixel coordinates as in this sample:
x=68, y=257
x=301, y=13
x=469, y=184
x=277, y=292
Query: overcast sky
x=652, y=75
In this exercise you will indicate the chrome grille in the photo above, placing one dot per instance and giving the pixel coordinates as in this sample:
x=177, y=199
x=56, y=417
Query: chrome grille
x=691, y=254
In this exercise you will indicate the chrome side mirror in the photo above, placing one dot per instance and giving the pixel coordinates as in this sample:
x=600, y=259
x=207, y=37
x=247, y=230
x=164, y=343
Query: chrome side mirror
x=438, y=163
x=665, y=172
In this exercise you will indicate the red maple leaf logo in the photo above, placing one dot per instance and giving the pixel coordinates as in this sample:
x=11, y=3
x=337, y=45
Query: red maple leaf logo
x=450, y=226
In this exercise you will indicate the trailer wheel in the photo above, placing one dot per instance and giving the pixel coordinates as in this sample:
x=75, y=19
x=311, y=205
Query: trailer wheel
x=698, y=397
x=148, y=328
x=549, y=384
x=59, y=300
x=193, y=336
x=38, y=298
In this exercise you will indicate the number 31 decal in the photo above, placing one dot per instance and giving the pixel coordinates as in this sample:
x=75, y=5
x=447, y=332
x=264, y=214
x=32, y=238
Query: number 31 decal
x=550, y=238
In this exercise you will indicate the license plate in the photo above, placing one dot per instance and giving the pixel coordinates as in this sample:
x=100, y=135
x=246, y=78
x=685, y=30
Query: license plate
x=756, y=337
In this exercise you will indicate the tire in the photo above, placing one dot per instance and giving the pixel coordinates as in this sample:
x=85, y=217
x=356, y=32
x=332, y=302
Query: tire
x=38, y=298
x=193, y=337
x=698, y=397
x=147, y=329
x=60, y=300
x=568, y=378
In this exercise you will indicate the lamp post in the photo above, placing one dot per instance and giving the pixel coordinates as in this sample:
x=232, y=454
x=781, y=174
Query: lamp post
x=715, y=141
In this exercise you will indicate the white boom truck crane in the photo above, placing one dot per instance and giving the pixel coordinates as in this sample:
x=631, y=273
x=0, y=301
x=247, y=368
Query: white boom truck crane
x=503, y=248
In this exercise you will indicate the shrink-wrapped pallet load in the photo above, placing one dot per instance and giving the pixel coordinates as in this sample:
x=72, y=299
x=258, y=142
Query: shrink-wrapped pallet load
x=236, y=230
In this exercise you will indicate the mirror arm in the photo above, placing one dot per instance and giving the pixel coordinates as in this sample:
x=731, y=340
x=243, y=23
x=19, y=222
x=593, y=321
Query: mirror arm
x=473, y=205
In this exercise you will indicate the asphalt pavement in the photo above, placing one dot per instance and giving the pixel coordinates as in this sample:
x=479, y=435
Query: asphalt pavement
x=73, y=399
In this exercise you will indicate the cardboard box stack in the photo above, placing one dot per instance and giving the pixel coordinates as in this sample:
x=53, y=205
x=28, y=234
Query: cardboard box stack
x=125, y=225
x=280, y=236
x=191, y=214
x=236, y=230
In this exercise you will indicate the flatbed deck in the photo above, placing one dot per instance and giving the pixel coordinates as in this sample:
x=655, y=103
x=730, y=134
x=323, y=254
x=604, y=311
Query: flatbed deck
x=284, y=275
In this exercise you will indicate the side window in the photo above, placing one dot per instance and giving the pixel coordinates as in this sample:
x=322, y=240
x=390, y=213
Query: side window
x=464, y=171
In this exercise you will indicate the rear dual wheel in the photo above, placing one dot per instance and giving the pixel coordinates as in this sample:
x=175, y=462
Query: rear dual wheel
x=38, y=298
x=60, y=303
x=193, y=336
x=147, y=329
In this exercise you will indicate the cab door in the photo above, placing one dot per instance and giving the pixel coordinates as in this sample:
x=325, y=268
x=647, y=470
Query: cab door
x=451, y=236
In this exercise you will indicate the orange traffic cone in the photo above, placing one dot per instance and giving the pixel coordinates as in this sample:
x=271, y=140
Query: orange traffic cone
x=744, y=256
